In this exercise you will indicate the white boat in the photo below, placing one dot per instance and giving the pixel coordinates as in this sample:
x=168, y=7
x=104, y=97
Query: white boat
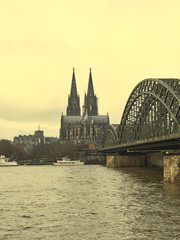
x=4, y=162
x=67, y=162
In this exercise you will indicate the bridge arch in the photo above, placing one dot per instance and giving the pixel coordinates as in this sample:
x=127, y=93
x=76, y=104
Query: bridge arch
x=111, y=135
x=152, y=110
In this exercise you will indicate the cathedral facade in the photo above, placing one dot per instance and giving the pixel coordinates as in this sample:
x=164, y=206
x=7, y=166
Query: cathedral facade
x=86, y=128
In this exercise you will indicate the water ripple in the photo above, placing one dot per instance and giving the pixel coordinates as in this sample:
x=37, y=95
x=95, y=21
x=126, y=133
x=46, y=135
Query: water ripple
x=90, y=202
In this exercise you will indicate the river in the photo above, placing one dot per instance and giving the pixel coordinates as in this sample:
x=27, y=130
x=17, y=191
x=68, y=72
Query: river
x=87, y=202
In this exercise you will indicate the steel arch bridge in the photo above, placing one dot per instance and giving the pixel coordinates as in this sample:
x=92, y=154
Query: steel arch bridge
x=152, y=111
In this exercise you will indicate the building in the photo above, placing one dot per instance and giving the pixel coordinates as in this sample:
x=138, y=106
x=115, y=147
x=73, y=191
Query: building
x=88, y=127
x=25, y=143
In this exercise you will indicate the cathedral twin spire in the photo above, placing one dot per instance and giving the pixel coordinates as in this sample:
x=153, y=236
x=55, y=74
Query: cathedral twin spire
x=90, y=100
x=73, y=85
x=73, y=108
x=90, y=91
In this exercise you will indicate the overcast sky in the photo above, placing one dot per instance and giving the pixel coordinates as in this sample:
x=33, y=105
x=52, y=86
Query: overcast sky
x=123, y=41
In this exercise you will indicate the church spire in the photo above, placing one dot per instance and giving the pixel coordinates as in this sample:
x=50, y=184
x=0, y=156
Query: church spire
x=73, y=108
x=90, y=101
x=73, y=85
x=90, y=91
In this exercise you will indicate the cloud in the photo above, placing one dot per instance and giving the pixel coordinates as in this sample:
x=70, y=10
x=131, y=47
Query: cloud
x=26, y=114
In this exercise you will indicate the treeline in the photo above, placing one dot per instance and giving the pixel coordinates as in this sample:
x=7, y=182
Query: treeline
x=53, y=150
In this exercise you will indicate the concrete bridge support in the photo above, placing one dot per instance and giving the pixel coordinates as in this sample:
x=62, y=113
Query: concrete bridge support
x=171, y=166
x=154, y=159
x=170, y=162
x=125, y=161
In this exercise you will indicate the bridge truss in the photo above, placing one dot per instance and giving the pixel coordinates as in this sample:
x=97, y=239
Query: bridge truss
x=152, y=110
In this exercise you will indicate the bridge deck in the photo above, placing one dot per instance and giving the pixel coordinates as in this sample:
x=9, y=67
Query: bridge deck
x=169, y=142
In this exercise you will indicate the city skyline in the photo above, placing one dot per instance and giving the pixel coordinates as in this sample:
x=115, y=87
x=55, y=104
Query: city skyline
x=123, y=42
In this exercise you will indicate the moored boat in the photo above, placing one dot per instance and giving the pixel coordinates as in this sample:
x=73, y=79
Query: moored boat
x=67, y=162
x=4, y=162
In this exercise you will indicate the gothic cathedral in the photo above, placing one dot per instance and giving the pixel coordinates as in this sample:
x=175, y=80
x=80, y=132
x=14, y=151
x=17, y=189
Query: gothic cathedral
x=88, y=127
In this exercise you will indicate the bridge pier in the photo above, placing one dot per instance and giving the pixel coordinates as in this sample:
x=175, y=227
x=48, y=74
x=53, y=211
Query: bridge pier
x=171, y=166
x=154, y=159
x=169, y=162
x=125, y=161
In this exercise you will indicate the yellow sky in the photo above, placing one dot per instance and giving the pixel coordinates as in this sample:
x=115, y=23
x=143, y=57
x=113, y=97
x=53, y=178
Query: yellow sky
x=123, y=41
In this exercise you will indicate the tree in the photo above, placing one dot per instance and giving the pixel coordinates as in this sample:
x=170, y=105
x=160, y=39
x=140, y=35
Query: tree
x=68, y=149
x=6, y=148
x=53, y=150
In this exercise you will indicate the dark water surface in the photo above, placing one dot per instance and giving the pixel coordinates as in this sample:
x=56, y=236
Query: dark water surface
x=87, y=202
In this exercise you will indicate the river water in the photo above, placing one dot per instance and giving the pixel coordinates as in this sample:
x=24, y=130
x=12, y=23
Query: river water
x=87, y=202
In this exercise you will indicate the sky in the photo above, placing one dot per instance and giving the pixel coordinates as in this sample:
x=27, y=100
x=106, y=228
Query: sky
x=123, y=41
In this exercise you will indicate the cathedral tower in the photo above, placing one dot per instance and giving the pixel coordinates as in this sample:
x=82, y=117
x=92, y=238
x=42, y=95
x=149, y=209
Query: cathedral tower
x=87, y=128
x=90, y=100
x=73, y=108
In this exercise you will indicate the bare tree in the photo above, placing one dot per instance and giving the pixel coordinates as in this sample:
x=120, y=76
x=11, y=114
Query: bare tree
x=6, y=148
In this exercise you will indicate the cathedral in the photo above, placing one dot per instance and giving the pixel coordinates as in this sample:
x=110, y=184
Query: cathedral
x=86, y=128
